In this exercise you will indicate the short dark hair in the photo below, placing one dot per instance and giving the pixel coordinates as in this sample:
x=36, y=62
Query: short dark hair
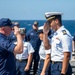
x=57, y=17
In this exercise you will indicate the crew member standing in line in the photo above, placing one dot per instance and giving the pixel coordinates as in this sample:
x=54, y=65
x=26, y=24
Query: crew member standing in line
x=8, y=48
x=23, y=60
x=33, y=38
x=44, y=68
x=61, y=44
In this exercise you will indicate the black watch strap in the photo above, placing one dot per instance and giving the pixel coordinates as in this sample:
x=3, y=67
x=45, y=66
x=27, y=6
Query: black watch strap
x=62, y=74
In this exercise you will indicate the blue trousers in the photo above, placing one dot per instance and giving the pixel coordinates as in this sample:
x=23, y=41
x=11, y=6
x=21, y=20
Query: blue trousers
x=57, y=67
x=20, y=68
x=41, y=67
x=36, y=61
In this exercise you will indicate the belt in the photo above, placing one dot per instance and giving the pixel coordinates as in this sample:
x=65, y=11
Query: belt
x=54, y=62
x=21, y=60
x=42, y=60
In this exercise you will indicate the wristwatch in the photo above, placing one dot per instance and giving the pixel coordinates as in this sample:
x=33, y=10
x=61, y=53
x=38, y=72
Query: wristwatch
x=62, y=74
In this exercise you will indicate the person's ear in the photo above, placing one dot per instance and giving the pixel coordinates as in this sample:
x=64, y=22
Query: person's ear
x=2, y=28
x=56, y=20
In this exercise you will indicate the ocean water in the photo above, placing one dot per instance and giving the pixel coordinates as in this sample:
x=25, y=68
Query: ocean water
x=69, y=24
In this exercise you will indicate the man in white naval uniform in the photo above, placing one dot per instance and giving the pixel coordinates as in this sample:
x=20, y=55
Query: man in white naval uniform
x=61, y=44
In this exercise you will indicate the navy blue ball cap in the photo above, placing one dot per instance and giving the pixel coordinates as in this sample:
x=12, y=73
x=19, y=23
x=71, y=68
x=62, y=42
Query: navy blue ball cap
x=5, y=22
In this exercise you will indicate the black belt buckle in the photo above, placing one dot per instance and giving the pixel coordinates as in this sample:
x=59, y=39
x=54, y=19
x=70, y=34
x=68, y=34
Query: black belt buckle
x=53, y=62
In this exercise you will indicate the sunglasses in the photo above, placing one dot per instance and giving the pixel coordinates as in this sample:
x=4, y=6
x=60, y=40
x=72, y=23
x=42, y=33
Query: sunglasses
x=35, y=25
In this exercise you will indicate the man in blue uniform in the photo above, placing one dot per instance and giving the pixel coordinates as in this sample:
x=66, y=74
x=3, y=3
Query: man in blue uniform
x=32, y=37
x=7, y=48
x=61, y=44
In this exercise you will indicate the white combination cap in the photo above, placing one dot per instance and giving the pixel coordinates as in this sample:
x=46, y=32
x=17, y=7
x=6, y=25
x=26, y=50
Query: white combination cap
x=50, y=15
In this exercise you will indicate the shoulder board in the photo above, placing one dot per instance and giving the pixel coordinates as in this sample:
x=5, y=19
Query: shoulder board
x=64, y=32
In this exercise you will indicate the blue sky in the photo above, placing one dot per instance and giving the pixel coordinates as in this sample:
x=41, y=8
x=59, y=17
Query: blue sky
x=35, y=9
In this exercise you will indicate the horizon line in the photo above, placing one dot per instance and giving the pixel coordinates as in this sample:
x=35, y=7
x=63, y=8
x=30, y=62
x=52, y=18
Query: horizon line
x=38, y=19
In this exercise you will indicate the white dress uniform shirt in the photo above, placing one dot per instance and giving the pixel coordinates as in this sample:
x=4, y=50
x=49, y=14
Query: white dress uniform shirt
x=61, y=42
x=27, y=49
x=43, y=52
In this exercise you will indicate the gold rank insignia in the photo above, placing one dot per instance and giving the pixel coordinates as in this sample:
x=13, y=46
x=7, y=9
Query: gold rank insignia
x=64, y=32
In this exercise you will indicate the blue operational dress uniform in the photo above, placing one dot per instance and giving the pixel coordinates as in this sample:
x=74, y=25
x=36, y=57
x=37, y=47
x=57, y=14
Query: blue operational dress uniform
x=7, y=59
x=42, y=54
x=33, y=38
x=61, y=42
x=21, y=59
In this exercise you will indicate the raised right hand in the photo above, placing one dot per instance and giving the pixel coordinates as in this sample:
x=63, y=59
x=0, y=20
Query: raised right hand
x=16, y=30
x=46, y=28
